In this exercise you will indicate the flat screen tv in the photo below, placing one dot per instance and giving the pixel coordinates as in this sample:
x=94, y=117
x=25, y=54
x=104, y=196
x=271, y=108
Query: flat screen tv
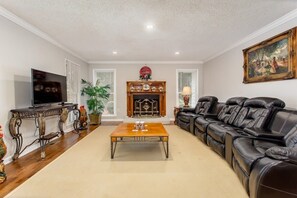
x=48, y=88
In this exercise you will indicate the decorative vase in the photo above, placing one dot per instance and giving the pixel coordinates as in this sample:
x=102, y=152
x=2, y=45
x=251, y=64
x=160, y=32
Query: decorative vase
x=83, y=117
x=3, y=150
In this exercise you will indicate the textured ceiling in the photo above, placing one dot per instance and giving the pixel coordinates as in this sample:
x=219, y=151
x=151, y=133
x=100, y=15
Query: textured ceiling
x=197, y=28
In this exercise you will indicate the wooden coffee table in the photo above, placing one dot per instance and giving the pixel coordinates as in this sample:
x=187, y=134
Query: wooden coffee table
x=152, y=132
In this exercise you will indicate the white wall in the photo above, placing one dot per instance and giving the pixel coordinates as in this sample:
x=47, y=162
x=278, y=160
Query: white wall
x=223, y=75
x=130, y=72
x=20, y=50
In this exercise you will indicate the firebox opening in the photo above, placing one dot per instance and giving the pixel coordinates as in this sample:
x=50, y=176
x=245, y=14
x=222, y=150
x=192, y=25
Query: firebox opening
x=146, y=105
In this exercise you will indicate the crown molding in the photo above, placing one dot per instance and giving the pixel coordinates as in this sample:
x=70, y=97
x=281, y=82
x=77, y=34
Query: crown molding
x=146, y=62
x=24, y=24
x=287, y=17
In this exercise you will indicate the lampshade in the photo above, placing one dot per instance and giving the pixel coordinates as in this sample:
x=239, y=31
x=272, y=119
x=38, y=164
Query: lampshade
x=186, y=90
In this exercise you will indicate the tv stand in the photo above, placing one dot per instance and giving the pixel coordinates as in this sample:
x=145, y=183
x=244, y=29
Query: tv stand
x=39, y=114
x=65, y=103
x=39, y=106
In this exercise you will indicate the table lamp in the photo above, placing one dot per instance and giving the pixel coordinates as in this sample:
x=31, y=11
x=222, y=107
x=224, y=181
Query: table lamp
x=186, y=93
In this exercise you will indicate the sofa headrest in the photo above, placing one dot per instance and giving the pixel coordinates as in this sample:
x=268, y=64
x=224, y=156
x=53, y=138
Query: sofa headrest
x=208, y=99
x=264, y=102
x=236, y=101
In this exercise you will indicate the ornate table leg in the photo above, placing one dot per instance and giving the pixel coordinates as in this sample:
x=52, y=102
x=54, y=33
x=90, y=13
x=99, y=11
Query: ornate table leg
x=76, y=122
x=14, y=126
x=63, y=118
x=41, y=127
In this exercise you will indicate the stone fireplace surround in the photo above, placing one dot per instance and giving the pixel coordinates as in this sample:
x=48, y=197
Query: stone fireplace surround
x=146, y=98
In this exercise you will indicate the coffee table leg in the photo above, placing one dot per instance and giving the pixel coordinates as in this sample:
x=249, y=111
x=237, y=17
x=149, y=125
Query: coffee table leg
x=167, y=154
x=113, y=145
x=166, y=148
x=111, y=149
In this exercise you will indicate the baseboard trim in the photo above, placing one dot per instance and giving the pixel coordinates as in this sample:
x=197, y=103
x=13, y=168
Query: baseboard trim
x=9, y=159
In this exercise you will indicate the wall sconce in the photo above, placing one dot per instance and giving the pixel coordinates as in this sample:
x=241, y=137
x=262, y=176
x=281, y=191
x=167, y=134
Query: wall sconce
x=186, y=93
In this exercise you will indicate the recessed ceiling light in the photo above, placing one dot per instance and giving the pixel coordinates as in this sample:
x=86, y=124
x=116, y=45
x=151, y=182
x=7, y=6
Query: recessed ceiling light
x=114, y=52
x=149, y=26
x=177, y=53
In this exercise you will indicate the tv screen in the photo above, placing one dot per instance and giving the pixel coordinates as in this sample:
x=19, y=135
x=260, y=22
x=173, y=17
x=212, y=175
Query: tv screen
x=48, y=87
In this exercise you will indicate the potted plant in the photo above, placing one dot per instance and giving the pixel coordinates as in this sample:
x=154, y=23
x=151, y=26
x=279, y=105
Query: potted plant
x=98, y=95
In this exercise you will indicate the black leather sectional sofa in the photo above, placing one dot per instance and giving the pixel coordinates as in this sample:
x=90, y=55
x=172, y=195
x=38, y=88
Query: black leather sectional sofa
x=256, y=136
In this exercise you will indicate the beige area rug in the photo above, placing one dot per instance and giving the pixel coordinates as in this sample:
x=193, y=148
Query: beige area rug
x=138, y=170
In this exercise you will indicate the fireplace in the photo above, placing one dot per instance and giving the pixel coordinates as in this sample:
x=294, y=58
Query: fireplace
x=146, y=105
x=146, y=98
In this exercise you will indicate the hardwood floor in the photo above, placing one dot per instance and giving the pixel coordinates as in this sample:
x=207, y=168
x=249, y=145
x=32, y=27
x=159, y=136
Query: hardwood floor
x=25, y=167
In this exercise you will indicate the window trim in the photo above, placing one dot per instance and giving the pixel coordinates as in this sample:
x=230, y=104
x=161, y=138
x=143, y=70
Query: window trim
x=197, y=84
x=114, y=91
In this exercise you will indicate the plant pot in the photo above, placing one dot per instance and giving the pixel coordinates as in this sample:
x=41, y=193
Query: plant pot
x=95, y=119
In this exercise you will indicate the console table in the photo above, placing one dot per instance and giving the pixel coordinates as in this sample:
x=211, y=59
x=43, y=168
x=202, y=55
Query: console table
x=39, y=114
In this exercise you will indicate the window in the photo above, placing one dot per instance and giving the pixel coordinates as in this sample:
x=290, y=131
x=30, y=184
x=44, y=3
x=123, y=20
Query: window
x=187, y=77
x=107, y=76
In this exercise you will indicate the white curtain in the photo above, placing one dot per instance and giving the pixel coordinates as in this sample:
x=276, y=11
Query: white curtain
x=73, y=80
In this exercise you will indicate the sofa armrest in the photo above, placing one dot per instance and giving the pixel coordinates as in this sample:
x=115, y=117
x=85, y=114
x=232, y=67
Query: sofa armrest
x=265, y=139
x=263, y=134
x=273, y=178
x=282, y=153
x=185, y=109
x=210, y=115
x=293, y=156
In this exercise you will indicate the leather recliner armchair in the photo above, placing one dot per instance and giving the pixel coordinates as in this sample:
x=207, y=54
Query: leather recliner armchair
x=266, y=160
x=186, y=116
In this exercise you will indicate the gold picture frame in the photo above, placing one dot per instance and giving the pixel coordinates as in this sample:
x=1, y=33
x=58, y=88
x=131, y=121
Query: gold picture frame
x=272, y=59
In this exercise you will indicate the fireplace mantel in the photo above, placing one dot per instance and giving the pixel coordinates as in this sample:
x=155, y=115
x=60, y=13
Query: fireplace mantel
x=136, y=89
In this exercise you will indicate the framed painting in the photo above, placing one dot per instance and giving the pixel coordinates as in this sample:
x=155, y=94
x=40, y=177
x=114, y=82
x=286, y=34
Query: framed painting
x=272, y=59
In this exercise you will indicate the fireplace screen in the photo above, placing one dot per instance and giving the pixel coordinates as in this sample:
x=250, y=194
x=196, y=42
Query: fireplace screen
x=146, y=105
